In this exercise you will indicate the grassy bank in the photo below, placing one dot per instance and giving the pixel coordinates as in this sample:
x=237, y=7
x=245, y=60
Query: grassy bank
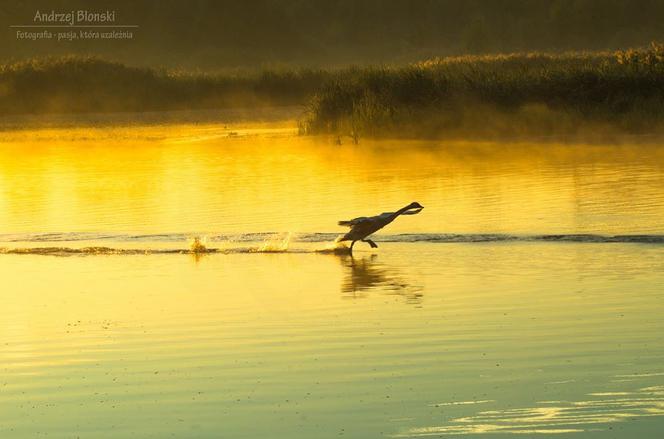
x=497, y=95
x=482, y=96
x=76, y=84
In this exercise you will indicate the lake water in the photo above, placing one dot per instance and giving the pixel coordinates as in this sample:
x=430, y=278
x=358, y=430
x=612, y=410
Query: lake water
x=525, y=299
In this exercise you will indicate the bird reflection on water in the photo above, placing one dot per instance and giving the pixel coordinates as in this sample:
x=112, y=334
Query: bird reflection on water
x=365, y=275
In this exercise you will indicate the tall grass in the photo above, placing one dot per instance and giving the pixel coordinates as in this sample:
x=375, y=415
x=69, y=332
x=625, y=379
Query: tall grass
x=503, y=94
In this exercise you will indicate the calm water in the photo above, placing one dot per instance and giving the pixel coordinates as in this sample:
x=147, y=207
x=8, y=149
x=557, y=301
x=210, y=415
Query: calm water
x=525, y=299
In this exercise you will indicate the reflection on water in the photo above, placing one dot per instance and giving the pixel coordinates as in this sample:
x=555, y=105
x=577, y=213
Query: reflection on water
x=364, y=274
x=554, y=417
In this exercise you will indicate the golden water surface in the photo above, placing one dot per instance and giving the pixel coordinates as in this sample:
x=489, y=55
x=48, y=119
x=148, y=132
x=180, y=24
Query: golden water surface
x=471, y=318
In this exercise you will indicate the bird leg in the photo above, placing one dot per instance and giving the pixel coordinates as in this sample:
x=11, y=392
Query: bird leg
x=370, y=242
x=351, y=248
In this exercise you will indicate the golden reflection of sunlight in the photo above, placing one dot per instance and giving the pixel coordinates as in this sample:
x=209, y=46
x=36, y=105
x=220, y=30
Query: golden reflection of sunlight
x=555, y=417
x=186, y=178
x=63, y=313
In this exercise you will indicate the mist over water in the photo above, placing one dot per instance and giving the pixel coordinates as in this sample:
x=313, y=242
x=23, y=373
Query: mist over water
x=178, y=280
x=199, y=180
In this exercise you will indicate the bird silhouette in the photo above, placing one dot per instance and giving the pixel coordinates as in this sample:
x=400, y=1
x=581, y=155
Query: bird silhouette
x=364, y=226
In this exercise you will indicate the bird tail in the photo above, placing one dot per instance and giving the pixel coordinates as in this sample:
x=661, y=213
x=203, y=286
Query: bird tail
x=345, y=223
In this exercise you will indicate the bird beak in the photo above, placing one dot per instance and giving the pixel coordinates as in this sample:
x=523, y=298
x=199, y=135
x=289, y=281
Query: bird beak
x=414, y=210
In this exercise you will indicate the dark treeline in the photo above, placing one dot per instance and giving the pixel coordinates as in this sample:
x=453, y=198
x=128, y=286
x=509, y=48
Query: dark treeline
x=217, y=34
x=79, y=84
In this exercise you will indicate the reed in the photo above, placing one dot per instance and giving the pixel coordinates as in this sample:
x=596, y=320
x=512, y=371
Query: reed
x=500, y=94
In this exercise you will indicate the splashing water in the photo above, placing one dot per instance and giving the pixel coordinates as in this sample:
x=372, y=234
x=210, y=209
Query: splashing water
x=274, y=245
x=83, y=244
x=336, y=247
x=197, y=246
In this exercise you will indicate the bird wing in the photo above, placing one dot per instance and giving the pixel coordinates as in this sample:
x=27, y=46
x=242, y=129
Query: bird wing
x=366, y=220
x=354, y=221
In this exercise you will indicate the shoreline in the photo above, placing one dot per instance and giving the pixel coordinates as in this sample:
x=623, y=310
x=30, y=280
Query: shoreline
x=576, y=95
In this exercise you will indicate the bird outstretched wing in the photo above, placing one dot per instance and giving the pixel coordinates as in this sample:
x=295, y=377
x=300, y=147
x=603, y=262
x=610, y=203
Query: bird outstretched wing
x=354, y=221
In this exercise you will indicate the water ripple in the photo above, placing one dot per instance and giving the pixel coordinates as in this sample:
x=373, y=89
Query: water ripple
x=554, y=417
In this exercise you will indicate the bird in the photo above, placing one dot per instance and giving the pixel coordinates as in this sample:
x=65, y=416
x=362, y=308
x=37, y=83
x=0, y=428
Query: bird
x=364, y=226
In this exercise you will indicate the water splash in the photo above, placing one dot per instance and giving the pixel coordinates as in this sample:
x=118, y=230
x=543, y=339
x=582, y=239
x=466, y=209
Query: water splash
x=274, y=245
x=334, y=248
x=197, y=246
x=265, y=242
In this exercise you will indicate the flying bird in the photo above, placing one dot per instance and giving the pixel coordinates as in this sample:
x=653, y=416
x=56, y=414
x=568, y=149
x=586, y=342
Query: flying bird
x=364, y=226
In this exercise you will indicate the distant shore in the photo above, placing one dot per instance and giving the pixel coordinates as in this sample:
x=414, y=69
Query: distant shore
x=75, y=84
x=532, y=94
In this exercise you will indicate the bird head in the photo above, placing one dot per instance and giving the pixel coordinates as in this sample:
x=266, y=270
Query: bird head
x=412, y=208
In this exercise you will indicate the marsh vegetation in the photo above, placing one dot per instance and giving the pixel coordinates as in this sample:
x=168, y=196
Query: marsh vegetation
x=486, y=96
x=498, y=94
